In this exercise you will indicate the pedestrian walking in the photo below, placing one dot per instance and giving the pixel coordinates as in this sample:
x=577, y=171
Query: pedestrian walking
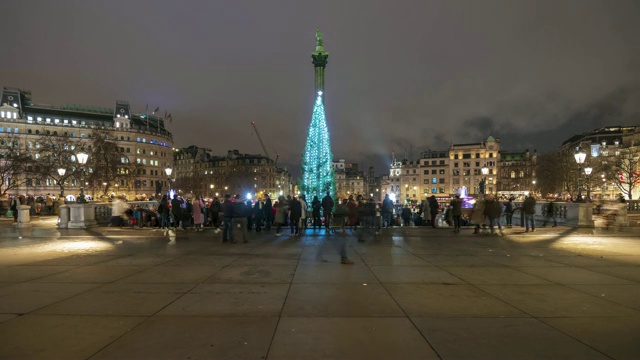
x=327, y=209
x=198, y=213
x=227, y=215
x=456, y=213
x=239, y=219
x=281, y=214
x=477, y=215
x=176, y=211
x=508, y=212
x=214, y=210
x=492, y=211
x=387, y=211
x=433, y=209
x=295, y=214
x=529, y=212
x=268, y=212
x=316, y=207
x=258, y=211
x=550, y=214
x=305, y=211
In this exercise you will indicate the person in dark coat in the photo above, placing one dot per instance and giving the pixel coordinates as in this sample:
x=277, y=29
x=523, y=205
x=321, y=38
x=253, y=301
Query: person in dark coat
x=258, y=213
x=176, y=211
x=550, y=214
x=240, y=217
x=227, y=214
x=433, y=209
x=508, y=212
x=214, y=210
x=316, y=206
x=529, y=212
x=387, y=211
x=406, y=215
x=295, y=214
x=492, y=211
x=268, y=212
x=456, y=212
x=327, y=208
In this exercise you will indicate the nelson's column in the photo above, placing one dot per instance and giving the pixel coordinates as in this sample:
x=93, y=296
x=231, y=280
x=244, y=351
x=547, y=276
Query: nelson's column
x=317, y=170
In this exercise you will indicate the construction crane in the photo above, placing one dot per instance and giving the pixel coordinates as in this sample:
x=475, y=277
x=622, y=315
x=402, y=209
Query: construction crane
x=264, y=148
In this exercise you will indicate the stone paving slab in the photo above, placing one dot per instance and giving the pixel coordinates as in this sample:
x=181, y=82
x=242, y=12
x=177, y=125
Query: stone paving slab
x=61, y=337
x=501, y=338
x=412, y=293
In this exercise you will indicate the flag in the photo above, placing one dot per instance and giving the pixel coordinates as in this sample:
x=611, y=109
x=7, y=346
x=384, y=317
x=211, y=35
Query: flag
x=170, y=118
x=156, y=110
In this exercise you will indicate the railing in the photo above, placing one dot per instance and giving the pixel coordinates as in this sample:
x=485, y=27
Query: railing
x=103, y=211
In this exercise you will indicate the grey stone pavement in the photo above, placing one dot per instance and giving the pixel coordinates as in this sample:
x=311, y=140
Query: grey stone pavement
x=413, y=293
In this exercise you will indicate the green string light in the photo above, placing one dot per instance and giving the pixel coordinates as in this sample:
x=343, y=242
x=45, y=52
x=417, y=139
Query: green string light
x=317, y=168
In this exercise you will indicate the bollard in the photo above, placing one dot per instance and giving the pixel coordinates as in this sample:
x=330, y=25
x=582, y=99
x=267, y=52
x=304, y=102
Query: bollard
x=24, y=218
x=63, y=219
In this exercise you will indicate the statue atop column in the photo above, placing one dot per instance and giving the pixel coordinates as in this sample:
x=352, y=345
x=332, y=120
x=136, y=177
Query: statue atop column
x=318, y=38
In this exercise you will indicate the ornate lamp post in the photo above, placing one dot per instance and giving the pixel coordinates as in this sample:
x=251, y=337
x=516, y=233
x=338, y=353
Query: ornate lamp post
x=168, y=171
x=483, y=182
x=587, y=172
x=82, y=158
x=533, y=187
x=61, y=172
x=580, y=157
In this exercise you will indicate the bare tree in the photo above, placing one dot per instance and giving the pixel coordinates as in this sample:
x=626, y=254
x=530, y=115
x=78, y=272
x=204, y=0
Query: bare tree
x=55, y=158
x=108, y=165
x=553, y=172
x=14, y=163
x=622, y=168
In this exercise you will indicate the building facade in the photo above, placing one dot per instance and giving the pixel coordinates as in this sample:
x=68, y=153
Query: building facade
x=517, y=173
x=199, y=172
x=467, y=161
x=139, y=139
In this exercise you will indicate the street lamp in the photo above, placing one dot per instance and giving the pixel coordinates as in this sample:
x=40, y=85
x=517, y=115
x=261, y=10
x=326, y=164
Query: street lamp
x=483, y=182
x=82, y=158
x=580, y=157
x=168, y=171
x=533, y=190
x=587, y=172
x=61, y=172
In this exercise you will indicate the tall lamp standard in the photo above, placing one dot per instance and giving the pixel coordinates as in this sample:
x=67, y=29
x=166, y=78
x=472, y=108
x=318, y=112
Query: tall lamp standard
x=61, y=172
x=483, y=182
x=587, y=172
x=82, y=160
x=580, y=157
x=168, y=171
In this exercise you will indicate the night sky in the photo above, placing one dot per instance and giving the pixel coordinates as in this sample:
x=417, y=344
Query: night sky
x=402, y=76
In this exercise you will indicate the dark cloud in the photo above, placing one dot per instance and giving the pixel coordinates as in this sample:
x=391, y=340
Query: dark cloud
x=404, y=75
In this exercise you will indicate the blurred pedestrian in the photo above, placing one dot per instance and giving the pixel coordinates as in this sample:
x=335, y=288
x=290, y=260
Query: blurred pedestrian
x=198, y=213
x=456, y=212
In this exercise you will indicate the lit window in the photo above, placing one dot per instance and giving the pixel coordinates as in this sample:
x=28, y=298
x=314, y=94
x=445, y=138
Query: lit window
x=48, y=120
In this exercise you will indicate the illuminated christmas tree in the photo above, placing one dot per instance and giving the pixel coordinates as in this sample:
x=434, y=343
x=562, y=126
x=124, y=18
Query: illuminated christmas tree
x=317, y=169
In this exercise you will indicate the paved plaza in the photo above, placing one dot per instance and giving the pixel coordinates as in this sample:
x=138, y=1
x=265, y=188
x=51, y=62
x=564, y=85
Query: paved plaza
x=413, y=293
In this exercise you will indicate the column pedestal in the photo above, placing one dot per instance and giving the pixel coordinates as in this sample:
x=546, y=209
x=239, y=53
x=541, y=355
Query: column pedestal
x=81, y=216
x=63, y=219
x=585, y=212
